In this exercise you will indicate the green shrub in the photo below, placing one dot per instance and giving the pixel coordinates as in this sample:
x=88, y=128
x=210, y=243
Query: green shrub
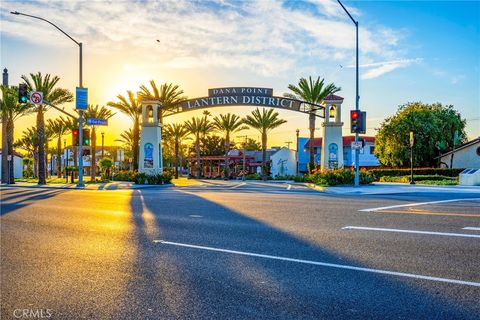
x=124, y=176
x=378, y=173
x=159, y=178
x=338, y=177
x=253, y=176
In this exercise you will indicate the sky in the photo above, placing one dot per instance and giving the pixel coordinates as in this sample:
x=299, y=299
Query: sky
x=426, y=51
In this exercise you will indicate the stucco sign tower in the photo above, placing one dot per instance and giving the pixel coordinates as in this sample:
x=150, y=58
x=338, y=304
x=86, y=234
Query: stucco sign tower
x=332, y=143
x=150, y=160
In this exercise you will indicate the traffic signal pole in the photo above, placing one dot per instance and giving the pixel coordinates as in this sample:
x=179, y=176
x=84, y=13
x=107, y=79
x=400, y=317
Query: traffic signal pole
x=357, y=98
x=80, y=183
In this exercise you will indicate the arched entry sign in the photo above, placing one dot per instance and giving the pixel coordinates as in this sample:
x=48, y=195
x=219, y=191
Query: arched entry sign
x=248, y=96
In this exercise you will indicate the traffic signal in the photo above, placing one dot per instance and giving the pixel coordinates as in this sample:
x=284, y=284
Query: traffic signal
x=75, y=137
x=358, y=121
x=22, y=93
x=86, y=137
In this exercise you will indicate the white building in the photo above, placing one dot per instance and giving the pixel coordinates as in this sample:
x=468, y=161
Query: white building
x=465, y=156
x=283, y=162
x=17, y=165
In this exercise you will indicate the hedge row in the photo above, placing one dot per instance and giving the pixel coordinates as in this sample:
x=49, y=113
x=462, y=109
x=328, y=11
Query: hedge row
x=378, y=173
x=417, y=178
x=143, y=178
x=338, y=177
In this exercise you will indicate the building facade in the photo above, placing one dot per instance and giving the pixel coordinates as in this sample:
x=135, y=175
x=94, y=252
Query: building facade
x=367, y=157
x=464, y=156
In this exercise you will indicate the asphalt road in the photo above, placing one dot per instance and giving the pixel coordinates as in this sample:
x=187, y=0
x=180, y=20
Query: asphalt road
x=228, y=250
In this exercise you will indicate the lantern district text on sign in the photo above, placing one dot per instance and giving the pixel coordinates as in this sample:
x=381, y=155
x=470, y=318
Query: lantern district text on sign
x=242, y=96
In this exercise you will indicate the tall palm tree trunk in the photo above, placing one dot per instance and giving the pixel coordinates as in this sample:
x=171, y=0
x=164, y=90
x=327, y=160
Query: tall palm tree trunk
x=35, y=163
x=59, y=156
x=4, y=150
x=197, y=151
x=264, y=155
x=41, y=146
x=311, y=149
x=227, y=148
x=136, y=143
x=10, y=150
x=176, y=158
x=93, y=160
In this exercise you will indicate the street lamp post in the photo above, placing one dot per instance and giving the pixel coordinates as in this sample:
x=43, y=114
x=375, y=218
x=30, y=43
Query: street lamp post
x=80, y=183
x=103, y=152
x=296, y=154
x=357, y=98
x=411, y=157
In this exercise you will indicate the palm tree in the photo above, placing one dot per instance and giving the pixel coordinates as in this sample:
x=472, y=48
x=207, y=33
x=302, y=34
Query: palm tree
x=198, y=127
x=168, y=94
x=132, y=108
x=264, y=122
x=29, y=143
x=10, y=110
x=228, y=124
x=97, y=113
x=59, y=129
x=177, y=132
x=312, y=92
x=56, y=96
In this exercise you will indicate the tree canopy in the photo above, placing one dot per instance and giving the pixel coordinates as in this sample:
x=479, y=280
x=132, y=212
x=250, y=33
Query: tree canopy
x=435, y=128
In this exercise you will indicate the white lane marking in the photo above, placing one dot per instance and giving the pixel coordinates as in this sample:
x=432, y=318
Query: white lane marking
x=289, y=187
x=416, y=204
x=195, y=216
x=324, y=264
x=471, y=228
x=414, y=231
x=238, y=185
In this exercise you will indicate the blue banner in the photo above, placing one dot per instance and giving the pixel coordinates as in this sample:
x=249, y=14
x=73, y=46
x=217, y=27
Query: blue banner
x=81, y=101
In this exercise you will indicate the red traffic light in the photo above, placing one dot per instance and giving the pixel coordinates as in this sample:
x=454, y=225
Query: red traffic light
x=75, y=132
x=354, y=114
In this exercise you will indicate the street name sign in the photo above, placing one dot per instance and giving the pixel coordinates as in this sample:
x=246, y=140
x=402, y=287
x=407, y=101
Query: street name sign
x=81, y=101
x=97, y=122
x=357, y=145
x=36, y=97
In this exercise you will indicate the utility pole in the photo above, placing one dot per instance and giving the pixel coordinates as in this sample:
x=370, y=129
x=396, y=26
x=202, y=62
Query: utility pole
x=5, y=167
x=296, y=153
x=244, y=164
x=357, y=96
x=411, y=157
x=103, y=152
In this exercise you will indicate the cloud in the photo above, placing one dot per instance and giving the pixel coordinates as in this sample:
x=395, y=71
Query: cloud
x=265, y=37
x=379, y=68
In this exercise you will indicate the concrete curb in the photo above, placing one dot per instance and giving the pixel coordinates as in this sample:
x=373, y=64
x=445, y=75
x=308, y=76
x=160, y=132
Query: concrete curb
x=96, y=188
x=315, y=187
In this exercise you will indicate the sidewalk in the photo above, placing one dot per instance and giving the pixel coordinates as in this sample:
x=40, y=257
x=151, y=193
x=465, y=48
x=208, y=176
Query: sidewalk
x=395, y=188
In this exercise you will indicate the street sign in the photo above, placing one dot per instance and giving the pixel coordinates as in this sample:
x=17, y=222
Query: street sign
x=36, y=97
x=81, y=101
x=357, y=145
x=97, y=122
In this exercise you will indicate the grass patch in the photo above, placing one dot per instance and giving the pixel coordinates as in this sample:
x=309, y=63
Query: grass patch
x=422, y=179
x=56, y=180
